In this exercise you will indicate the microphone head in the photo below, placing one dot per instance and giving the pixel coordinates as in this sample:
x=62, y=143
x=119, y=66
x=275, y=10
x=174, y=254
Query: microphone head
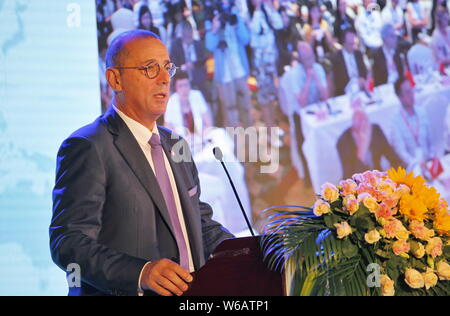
x=218, y=153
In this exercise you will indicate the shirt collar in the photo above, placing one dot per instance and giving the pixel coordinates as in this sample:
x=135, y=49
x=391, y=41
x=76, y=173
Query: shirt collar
x=139, y=131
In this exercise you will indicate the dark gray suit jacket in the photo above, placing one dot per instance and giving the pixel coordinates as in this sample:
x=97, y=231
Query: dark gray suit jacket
x=109, y=215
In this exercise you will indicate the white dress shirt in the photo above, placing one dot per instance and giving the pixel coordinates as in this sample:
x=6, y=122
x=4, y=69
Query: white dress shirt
x=142, y=136
x=351, y=65
x=390, y=64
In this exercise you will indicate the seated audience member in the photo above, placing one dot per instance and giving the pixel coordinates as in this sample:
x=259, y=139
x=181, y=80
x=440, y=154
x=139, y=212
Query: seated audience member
x=187, y=112
x=190, y=56
x=393, y=14
x=368, y=23
x=317, y=32
x=420, y=56
x=387, y=66
x=188, y=115
x=348, y=65
x=411, y=136
x=418, y=18
x=363, y=145
x=440, y=42
x=146, y=20
x=310, y=77
x=343, y=20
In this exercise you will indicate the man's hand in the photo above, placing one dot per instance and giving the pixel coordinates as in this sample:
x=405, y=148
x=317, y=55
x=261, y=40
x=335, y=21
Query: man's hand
x=165, y=277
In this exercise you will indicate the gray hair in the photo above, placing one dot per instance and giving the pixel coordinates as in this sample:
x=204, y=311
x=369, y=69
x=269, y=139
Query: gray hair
x=116, y=51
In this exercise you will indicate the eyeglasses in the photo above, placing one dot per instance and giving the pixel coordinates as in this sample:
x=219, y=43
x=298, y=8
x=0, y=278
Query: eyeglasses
x=152, y=69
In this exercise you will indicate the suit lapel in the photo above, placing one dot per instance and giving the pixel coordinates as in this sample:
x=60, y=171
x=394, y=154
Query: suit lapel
x=130, y=150
x=190, y=215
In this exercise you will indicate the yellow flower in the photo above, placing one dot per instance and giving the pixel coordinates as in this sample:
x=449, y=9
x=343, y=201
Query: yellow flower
x=321, y=207
x=387, y=286
x=369, y=202
x=400, y=176
x=430, y=278
x=343, y=229
x=417, y=249
x=330, y=193
x=372, y=237
x=413, y=207
x=351, y=204
x=442, y=222
x=443, y=270
x=429, y=196
x=414, y=279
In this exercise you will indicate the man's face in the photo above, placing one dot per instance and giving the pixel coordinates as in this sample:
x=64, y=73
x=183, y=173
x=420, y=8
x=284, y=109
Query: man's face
x=146, y=20
x=144, y=98
x=407, y=97
x=350, y=42
x=183, y=87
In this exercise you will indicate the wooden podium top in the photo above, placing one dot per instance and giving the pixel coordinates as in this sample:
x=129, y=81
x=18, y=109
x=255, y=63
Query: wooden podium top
x=236, y=268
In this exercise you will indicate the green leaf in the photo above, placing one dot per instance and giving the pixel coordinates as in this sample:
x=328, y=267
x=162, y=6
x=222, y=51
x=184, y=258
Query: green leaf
x=349, y=249
x=446, y=252
x=331, y=219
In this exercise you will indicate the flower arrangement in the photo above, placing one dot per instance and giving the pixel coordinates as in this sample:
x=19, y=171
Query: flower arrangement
x=379, y=233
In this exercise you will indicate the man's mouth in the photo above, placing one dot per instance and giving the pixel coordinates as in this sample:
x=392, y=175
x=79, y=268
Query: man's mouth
x=160, y=95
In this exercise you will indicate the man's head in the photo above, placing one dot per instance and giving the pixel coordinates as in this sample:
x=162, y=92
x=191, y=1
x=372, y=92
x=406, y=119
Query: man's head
x=350, y=40
x=141, y=97
x=369, y=4
x=306, y=55
x=390, y=39
x=405, y=92
x=181, y=84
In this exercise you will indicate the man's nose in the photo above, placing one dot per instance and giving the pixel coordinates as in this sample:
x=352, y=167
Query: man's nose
x=163, y=77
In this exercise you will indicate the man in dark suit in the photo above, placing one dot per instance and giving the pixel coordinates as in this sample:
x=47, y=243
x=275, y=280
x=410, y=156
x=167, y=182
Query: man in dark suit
x=348, y=64
x=190, y=55
x=126, y=202
x=387, y=65
x=363, y=145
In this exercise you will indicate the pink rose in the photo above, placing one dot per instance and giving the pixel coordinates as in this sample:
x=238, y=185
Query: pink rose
x=419, y=230
x=393, y=228
x=434, y=247
x=384, y=211
x=348, y=187
x=371, y=178
x=401, y=247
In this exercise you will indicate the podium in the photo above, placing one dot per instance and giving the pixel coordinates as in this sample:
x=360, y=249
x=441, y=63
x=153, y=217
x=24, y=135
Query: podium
x=236, y=268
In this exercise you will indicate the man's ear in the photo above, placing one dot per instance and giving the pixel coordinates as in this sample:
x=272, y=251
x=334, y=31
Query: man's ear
x=114, y=79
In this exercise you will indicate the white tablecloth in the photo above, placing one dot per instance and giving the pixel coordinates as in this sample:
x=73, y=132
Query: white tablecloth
x=321, y=136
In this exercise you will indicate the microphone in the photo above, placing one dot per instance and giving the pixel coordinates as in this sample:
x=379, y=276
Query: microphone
x=219, y=156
